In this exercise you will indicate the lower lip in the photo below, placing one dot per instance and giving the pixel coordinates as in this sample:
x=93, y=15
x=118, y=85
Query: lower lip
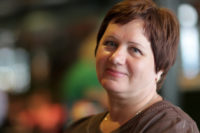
x=114, y=73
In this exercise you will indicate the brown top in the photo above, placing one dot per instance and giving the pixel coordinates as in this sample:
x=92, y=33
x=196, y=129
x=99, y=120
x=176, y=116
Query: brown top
x=162, y=117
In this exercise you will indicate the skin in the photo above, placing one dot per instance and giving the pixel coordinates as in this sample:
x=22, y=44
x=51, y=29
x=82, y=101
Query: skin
x=126, y=69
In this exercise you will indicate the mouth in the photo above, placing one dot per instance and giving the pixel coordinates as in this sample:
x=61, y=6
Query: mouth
x=115, y=73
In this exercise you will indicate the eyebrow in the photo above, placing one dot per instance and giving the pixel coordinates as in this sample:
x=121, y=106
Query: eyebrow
x=112, y=37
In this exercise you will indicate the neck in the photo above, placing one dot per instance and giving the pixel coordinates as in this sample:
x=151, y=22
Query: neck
x=123, y=109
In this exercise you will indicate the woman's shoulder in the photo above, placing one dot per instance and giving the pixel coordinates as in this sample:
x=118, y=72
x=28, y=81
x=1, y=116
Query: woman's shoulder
x=169, y=111
x=86, y=124
x=166, y=117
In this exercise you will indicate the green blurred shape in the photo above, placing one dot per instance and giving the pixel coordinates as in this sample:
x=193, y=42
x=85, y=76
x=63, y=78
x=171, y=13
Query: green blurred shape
x=80, y=78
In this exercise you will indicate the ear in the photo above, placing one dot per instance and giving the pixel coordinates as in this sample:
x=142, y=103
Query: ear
x=158, y=75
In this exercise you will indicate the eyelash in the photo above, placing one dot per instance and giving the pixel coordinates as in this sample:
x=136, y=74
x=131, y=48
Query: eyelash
x=110, y=43
x=136, y=50
x=113, y=45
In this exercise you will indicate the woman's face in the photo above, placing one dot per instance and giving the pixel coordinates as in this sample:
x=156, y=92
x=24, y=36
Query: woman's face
x=125, y=61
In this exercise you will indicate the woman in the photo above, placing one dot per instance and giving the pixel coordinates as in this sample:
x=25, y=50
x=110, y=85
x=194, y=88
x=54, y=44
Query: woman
x=136, y=46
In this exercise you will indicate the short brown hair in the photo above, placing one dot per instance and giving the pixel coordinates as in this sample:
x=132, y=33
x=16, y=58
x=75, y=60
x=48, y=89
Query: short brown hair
x=161, y=28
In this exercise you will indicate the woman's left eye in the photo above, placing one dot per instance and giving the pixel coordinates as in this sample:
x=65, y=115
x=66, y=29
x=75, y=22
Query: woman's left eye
x=136, y=50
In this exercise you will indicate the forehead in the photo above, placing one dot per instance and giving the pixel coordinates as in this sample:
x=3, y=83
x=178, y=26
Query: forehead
x=132, y=31
x=129, y=28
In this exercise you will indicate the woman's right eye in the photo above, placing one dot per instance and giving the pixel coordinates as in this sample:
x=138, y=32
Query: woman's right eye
x=110, y=44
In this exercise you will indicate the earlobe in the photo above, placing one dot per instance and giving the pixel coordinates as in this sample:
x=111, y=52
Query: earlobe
x=158, y=75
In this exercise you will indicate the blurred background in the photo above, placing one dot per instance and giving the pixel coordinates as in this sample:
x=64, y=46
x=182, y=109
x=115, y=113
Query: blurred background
x=47, y=63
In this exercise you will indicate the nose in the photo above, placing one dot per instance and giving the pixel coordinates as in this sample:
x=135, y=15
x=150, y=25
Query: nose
x=118, y=56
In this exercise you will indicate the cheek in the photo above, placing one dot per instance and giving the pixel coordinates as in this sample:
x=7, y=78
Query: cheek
x=149, y=70
x=101, y=56
x=100, y=64
x=135, y=69
x=141, y=69
x=98, y=67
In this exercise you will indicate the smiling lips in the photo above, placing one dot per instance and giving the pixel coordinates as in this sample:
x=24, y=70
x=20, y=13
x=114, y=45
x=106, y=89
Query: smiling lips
x=115, y=73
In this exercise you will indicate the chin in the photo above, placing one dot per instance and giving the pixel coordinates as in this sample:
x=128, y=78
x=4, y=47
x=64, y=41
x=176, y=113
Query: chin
x=112, y=85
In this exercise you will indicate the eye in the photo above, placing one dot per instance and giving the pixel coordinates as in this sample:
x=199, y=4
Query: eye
x=135, y=50
x=110, y=44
